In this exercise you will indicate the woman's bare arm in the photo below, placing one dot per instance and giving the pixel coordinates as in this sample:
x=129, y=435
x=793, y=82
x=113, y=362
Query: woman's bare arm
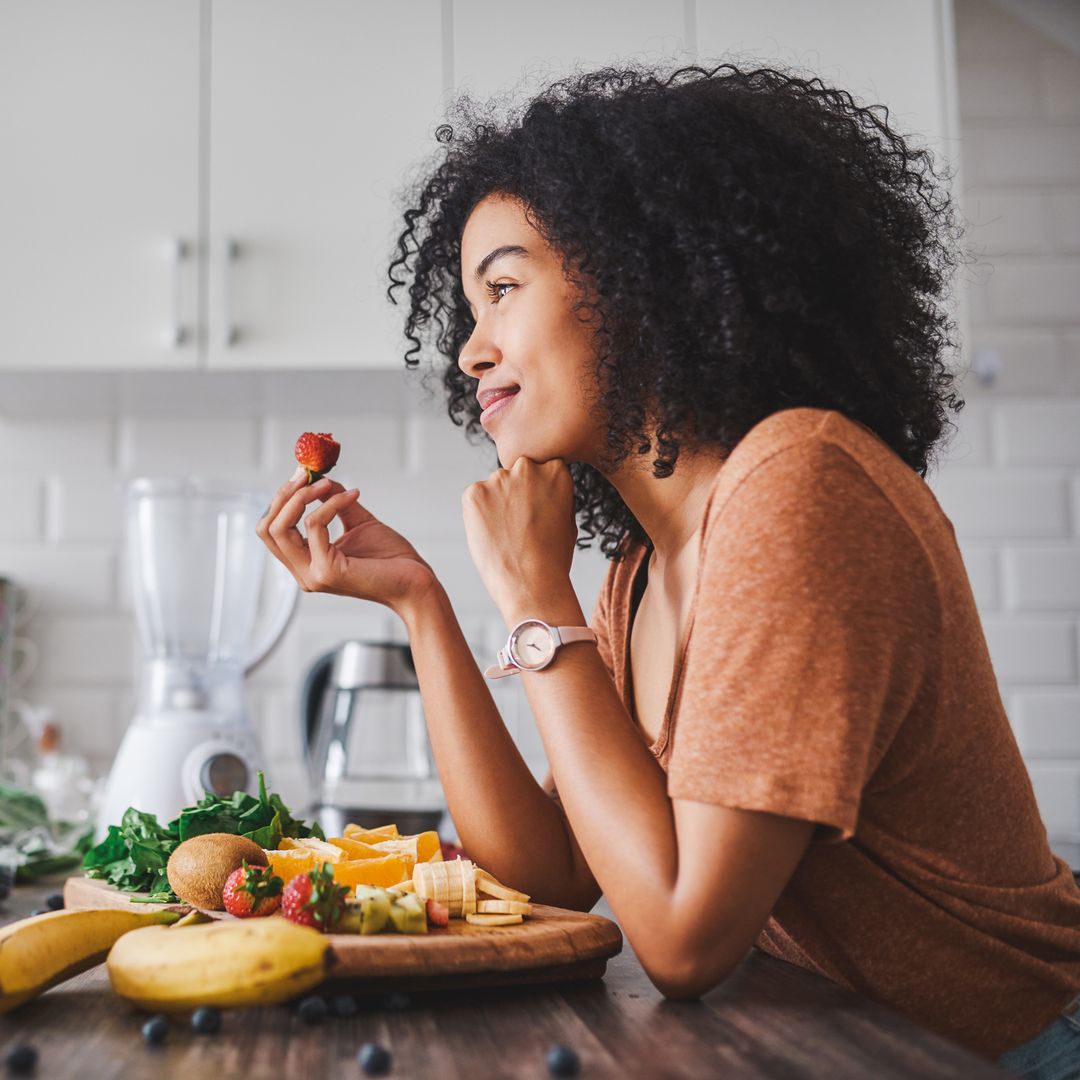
x=506, y=821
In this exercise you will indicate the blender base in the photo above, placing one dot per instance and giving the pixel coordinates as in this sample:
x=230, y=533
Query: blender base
x=165, y=763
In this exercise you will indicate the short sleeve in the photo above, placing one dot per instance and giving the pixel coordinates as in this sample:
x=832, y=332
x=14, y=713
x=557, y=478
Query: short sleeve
x=814, y=627
x=600, y=623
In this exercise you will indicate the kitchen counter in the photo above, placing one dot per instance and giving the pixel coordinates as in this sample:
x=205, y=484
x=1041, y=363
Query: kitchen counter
x=769, y=1019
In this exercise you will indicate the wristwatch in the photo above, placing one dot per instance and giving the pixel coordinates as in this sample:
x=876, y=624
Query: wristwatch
x=532, y=645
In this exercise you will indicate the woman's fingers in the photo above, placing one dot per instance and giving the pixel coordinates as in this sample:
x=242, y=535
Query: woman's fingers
x=281, y=496
x=292, y=548
x=317, y=524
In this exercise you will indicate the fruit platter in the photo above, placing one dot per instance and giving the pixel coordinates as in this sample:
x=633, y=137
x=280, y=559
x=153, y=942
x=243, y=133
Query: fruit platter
x=221, y=920
x=432, y=923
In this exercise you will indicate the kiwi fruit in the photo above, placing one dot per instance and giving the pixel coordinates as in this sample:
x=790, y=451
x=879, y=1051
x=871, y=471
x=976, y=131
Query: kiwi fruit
x=199, y=867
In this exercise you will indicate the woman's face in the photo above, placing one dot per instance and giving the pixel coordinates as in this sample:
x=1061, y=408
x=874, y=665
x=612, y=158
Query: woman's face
x=527, y=343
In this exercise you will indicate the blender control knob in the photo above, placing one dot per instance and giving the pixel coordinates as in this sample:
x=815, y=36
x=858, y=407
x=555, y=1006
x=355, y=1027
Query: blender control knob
x=224, y=773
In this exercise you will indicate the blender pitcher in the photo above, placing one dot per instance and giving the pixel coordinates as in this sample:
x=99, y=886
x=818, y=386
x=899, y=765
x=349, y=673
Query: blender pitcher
x=197, y=568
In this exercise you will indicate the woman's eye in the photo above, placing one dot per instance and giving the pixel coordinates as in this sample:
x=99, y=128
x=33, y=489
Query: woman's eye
x=493, y=288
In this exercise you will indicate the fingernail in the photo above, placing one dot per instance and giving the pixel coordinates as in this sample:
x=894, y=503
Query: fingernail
x=300, y=471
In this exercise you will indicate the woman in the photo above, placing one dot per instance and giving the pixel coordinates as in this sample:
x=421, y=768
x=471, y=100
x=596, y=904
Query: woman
x=701, y=313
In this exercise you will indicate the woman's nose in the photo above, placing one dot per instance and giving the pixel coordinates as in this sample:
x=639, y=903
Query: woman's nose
x=478, y=354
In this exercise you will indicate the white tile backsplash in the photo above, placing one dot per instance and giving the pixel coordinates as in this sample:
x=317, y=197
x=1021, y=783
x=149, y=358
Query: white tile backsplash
x=1039, y=432
x=1021, y=161
x=1027, y=650
x=1000, y=504
x=1048, y=723
x=214, y=445
x=22, y=517
x=65, y=578
x=1042, y=578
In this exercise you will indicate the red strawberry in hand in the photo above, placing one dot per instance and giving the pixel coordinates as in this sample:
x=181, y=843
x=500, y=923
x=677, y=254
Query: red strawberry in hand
x=252, y=890
x=314, y=899
x=318, y=453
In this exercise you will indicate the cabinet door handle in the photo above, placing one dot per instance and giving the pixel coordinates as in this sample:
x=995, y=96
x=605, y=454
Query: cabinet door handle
x=230, y=334
x=178, y=251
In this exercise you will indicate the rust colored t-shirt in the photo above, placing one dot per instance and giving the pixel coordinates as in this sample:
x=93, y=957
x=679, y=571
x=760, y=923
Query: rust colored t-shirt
x=835, y=670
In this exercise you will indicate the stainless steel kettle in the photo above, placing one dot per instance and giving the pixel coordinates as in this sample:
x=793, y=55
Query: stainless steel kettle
x=365, y=740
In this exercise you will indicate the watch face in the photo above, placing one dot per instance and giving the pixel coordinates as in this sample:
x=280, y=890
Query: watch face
x=532, y=646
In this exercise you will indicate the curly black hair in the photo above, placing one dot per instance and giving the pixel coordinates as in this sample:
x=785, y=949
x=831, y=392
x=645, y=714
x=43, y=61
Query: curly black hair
x=742, y=241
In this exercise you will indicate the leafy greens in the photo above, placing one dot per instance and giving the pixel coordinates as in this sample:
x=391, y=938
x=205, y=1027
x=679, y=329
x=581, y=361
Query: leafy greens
x=134, y=854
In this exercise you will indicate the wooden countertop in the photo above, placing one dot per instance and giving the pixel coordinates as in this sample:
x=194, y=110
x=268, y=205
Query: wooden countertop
x=770, y=1019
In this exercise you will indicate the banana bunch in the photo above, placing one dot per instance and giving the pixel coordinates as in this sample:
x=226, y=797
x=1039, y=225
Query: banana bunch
x=44, y=950
x=470, y=893
x=223, y=963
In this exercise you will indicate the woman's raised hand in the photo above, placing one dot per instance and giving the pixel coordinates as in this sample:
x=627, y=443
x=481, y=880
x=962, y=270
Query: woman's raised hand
x=369, y=560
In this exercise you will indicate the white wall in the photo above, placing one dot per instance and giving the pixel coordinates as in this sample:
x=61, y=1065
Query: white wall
x=1012, y=485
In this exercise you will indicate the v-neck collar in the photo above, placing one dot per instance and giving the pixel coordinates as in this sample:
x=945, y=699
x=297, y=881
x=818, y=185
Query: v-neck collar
x=641, y=562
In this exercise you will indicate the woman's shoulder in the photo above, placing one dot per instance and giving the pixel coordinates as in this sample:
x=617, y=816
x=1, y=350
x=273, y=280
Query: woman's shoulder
x=800, y=457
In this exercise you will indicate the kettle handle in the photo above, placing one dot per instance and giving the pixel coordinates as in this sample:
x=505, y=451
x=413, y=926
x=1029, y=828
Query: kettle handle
x=288, y=593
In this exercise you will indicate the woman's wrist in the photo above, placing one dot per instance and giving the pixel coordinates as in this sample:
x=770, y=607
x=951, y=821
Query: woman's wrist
x=555, y=606
x=414, y=608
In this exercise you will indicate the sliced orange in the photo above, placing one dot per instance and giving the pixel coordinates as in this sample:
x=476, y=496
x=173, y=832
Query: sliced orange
x=389, y=870
x=287, y=864
x=368, y=836
x=428, y=846
x=320, y=848
x=355, y=849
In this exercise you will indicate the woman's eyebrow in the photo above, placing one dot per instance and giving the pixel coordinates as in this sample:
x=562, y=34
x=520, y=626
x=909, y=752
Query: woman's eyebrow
x=507, y=249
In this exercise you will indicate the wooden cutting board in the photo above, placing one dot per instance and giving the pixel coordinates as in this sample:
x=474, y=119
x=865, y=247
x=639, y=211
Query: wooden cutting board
x=551, y=945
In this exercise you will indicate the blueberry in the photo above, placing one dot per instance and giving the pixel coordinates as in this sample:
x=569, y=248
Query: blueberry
x=41, y=911
x=153, y=1031
x=207, y=1020
x=21, y=1059
x=374, y=1059
x=55, y=901
x=313, y=1009
x=562, y=1061
x=395, y=1002
x=343, y=1005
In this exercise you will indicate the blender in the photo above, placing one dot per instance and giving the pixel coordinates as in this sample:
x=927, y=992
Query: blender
x=198, y=571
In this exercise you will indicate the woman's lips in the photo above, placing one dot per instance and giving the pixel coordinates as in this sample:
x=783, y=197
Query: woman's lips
x=497, y=406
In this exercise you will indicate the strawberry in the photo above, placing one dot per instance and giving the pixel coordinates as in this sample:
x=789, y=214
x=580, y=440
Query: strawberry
x=252, y=890
x=318, y=453
x=314, y=899
x=437, y=914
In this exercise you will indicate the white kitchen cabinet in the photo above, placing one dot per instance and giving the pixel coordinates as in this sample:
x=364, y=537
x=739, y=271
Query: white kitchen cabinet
x=99, y=137
x=318, y=111
x=277, y=130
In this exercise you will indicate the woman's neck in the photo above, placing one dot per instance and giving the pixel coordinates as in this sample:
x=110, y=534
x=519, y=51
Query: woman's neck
x=670, y=510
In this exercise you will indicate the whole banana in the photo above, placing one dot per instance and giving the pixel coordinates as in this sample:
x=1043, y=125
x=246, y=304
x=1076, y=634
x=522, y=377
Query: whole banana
x=223, y=963
x=44, y=950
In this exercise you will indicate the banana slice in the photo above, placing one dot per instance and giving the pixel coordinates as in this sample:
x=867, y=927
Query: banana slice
x=503, y=907
x=493, y=920
x=450, y=883
x=402, y=887
x=485, y=883
x=468, y=888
